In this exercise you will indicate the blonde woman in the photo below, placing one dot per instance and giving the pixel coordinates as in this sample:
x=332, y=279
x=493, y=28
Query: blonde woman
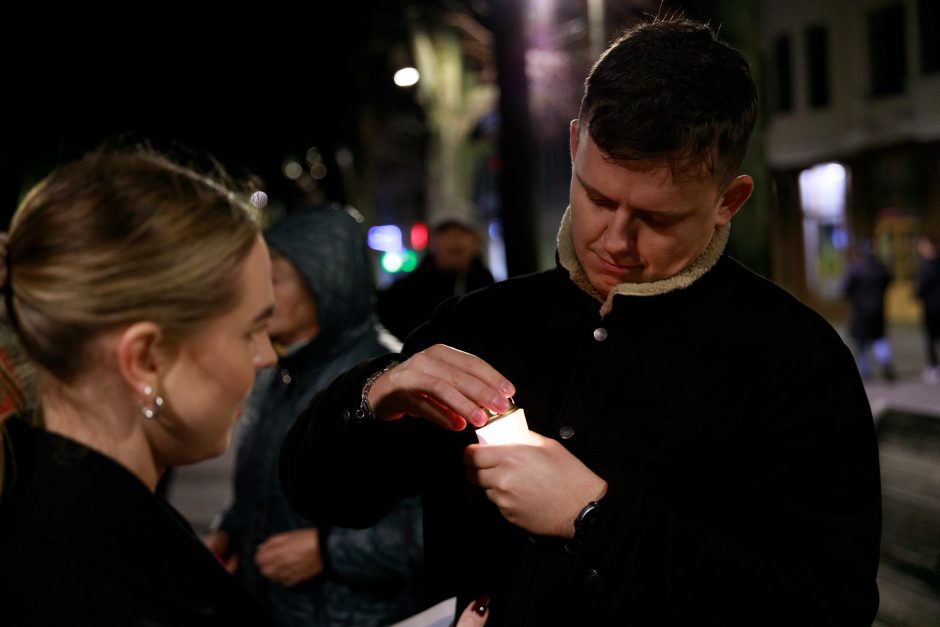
x=140, y=289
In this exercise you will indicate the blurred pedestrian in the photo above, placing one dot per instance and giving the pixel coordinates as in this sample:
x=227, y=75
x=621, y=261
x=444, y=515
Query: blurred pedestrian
x=700, y=451
x=866, y=281
x=140, y=289
x=453, y=266
x=323, y=323
x=928, y=290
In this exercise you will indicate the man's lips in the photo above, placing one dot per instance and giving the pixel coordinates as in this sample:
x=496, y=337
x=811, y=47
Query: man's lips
x=616, y=268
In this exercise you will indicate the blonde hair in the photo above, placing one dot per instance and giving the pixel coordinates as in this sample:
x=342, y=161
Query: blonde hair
x=115, y=238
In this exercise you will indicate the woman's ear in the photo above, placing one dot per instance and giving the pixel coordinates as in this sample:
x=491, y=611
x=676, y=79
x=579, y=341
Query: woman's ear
x=139, y=360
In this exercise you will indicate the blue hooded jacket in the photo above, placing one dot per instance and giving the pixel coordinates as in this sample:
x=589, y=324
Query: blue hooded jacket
x=370, y=574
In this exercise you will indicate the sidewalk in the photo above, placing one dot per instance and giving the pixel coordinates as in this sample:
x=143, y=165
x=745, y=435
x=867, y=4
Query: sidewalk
x=908, y=392
x=907, y=414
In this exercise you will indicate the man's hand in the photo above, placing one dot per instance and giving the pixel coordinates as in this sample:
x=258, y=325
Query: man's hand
x=220, y=543
x=290, y=557
x=444, y=385
x=539, y=486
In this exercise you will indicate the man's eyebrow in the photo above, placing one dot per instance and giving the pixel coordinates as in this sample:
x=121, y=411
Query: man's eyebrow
x=589, y=188
x=673, y=213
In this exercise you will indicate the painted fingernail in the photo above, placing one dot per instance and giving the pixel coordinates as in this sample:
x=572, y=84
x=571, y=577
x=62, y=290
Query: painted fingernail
x=481, y=604
x=479, y=417
x=507, y=388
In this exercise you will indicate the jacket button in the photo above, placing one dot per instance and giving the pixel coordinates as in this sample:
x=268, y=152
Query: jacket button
x=347, y=415
x=600, y=334
x=566, y=432
x=285, y=376
x=590, y=577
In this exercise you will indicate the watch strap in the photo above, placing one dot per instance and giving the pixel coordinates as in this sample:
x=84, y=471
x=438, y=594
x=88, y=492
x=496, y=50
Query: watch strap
x=583, y=523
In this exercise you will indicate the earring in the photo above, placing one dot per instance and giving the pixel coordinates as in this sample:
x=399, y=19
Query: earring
x=151, y=412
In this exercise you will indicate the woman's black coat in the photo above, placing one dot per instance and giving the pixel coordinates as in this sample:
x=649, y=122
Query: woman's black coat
x=84, y=543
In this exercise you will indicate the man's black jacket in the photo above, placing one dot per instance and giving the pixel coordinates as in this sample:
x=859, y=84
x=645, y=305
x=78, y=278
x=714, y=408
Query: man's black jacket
x=727, y=418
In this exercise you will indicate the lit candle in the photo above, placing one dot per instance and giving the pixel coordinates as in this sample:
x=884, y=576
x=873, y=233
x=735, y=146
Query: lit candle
x=509, y=427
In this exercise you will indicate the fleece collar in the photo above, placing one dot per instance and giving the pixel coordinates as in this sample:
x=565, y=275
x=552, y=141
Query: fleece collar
x=704, y=263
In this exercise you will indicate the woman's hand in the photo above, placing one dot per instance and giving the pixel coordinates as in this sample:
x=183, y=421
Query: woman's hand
x=475, y=614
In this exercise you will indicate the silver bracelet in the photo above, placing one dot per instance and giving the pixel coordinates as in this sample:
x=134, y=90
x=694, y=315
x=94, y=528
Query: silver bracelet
x=365, y=409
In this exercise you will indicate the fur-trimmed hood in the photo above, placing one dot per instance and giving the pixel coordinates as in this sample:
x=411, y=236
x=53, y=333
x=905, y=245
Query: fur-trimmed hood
x=569, y=261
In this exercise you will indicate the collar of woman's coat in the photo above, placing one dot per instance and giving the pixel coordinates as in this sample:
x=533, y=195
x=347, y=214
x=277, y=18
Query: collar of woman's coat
x=704, y=263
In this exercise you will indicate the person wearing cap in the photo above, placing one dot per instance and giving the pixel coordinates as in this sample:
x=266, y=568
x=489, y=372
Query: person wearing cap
x=700, y=450
x=302, y=572
x=452, y=266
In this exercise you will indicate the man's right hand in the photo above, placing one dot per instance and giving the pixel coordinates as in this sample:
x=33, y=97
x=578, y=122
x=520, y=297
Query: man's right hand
x=444, y=385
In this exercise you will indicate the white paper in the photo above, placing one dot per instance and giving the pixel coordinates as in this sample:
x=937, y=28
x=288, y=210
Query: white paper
x=440, y=615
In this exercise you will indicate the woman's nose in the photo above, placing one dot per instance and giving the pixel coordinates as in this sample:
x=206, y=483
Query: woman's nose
x=266, y=355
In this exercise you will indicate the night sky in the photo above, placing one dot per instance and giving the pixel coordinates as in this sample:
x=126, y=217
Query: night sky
x=248, y=82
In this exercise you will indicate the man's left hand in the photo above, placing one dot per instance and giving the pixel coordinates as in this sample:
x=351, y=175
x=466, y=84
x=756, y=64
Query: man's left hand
x=539, y=486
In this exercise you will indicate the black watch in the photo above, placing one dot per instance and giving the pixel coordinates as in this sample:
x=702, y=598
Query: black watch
x=584, y=522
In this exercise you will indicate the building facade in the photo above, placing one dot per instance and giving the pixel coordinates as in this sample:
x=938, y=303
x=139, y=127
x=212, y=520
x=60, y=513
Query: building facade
x=852, y=140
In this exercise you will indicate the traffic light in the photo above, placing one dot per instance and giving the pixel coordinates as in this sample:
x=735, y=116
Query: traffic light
x=395, y=257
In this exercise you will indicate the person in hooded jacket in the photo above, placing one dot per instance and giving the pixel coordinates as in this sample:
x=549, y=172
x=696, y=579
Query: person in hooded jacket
x=323, y=324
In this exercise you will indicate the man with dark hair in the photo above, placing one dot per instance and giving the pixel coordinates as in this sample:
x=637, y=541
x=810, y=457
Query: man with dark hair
x=701, y=449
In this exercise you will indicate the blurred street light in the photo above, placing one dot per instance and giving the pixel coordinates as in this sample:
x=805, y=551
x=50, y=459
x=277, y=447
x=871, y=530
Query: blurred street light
x=406, y=77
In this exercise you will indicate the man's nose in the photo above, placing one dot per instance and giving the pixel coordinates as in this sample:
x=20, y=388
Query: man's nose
x=620, y=235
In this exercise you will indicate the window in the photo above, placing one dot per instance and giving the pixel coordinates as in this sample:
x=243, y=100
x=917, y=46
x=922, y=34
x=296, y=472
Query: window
x=780, y=84
x=817, y=64
x=886, y=50
x=823, y=191
x=928, y=17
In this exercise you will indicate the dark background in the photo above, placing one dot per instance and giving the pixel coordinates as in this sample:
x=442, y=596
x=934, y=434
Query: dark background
x=248, y=82
x=254, y=83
